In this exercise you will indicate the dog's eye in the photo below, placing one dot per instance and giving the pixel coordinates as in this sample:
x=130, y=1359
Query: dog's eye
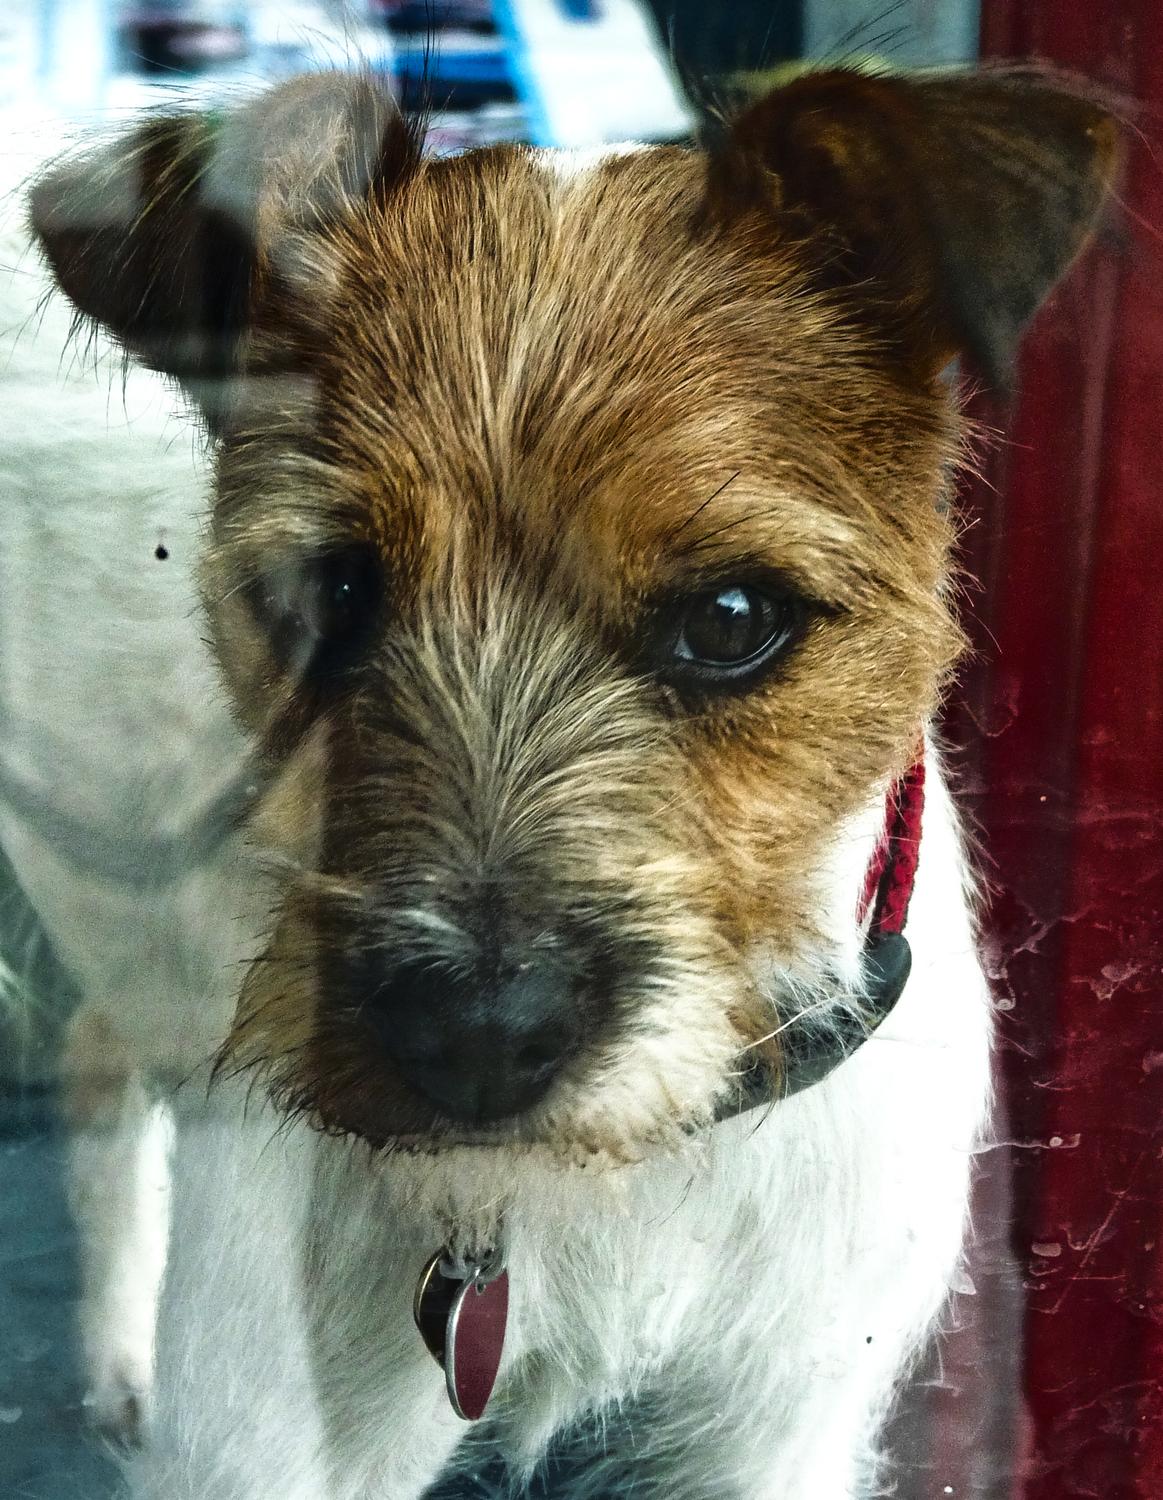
x=727, y=634
x=343, y=588
x=320, y=610
x=726, y=628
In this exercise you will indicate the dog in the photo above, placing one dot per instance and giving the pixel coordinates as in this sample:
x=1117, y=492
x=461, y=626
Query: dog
x=487, y=792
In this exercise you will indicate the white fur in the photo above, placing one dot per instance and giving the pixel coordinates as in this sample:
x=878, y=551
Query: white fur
x=748, y=1306
x=570, y=166
x=737, y=1315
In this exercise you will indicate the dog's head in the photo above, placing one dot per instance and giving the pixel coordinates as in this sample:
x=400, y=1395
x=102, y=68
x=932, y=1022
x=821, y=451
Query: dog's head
x=578, y=557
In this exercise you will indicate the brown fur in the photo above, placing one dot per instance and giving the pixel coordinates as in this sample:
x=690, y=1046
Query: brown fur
x=547, y=409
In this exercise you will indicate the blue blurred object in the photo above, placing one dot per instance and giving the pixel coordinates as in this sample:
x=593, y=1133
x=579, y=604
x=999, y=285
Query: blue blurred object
x=580, y=10
x=454, y=78
x=423, y=16
x=568, y=73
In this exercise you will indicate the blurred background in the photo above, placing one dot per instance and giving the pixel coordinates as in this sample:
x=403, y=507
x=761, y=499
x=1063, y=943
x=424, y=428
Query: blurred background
x=550, y=69
x=1048, y=1384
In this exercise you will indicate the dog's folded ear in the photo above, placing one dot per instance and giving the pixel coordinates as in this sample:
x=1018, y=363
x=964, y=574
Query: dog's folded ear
x=946, y=204
x=168, y=235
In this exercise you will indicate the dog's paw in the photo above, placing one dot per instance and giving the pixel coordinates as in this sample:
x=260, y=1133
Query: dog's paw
x=115, y=1407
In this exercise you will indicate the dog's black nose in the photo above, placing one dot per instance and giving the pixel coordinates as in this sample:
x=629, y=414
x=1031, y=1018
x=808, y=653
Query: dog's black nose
x=480, y=1045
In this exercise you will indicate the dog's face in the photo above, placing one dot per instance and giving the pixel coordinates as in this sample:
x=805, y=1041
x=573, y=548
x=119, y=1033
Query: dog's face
x=578, y=558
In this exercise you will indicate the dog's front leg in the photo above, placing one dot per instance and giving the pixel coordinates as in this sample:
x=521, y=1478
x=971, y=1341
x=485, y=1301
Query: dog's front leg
x=272, y=1377
x=119, y=1195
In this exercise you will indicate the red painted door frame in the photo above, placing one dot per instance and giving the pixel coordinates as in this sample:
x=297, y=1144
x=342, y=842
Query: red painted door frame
x=1061, y=735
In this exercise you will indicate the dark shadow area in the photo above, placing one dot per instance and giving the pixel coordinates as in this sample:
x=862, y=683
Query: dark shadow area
x=46, y=1452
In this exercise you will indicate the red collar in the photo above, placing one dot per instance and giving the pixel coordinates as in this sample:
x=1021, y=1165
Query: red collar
x=892, y=871
x=810, y=1053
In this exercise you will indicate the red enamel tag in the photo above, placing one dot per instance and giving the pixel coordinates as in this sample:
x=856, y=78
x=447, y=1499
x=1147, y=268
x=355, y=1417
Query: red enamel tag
x=474, y=1342
x=462, y=1322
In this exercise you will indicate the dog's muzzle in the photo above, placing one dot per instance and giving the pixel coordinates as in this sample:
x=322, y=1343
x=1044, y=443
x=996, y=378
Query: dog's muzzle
x=482, y=1042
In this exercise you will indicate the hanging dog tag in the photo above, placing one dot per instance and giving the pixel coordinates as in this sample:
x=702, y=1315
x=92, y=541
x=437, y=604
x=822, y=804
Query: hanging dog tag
x=474, y=1343
x=462, y=1322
